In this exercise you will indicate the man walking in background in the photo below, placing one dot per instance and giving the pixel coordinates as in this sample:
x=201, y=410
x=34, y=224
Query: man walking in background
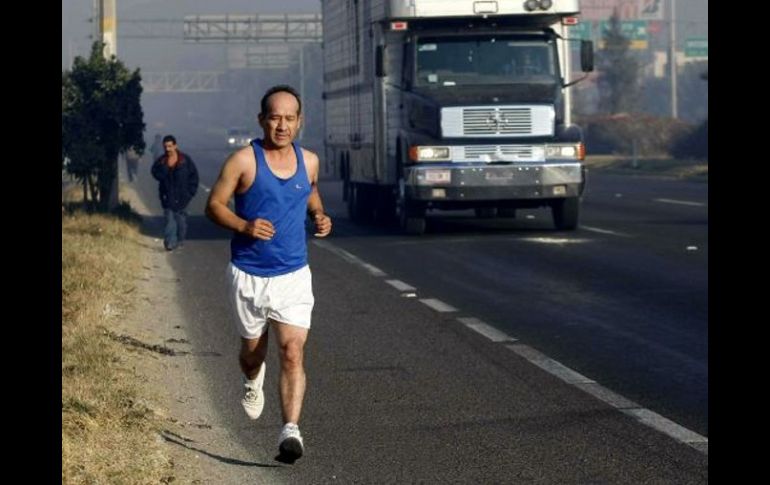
x=157, y=147
x=178, y=182
x=132, y=164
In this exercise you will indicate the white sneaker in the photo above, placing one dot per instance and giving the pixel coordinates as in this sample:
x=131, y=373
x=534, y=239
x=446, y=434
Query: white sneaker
x=254, y=398
x=290, y=443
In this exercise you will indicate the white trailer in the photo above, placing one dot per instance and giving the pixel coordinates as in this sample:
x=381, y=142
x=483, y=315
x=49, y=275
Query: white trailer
x=452, y=104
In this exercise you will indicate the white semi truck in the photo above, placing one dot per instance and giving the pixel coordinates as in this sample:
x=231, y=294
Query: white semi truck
x=452, y=105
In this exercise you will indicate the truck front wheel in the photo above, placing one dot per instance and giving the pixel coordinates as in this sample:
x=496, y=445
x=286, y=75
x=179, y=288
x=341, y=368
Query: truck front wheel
x=565, y=213
x=506, y=212
x=485, y=212
x=414, y=225
x=411, y=215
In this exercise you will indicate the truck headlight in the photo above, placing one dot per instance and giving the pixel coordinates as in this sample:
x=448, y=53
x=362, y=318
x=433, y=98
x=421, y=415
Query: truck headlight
x=569, y=152
x=428, y=154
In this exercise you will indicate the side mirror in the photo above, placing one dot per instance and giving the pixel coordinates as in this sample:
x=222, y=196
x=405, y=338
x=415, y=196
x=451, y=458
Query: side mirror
x=586, y=55
x=379, y=62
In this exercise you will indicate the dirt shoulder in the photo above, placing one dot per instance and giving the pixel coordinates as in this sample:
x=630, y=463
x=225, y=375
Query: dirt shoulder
x=198, y=444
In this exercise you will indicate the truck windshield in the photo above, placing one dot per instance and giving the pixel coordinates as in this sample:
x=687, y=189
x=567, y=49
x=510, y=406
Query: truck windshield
x=448, y=61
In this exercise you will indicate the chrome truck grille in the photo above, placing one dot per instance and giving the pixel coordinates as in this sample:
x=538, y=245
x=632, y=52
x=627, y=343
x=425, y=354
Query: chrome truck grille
x=498, y=153
x=497, y=121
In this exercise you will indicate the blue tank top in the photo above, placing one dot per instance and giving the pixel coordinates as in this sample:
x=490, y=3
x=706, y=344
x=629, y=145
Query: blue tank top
x=283, y=202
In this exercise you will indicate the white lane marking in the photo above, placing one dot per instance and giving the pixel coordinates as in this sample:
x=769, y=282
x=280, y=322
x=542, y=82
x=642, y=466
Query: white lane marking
x=549, y=365
x=204, y=187
x=603, y=231
x=555, y=368
x=400, y=285
x=554, y=240
x=666, y=426
x=603, y=394
x=338, y=251
x=349, y=257
x=645, y=416
x=703, y=447
x=373, y=269
x=438, y=305
x=486, y=330
x=680, y=202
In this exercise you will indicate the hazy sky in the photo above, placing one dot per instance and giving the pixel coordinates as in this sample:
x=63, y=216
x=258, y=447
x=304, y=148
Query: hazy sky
x=76, y=13
x=76, y=27
x=183, y=113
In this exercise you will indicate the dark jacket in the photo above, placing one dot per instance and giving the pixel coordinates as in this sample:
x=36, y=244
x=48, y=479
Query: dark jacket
x=177, y=185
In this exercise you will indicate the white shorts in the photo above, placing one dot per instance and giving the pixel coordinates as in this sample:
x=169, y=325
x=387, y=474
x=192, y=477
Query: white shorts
x=286, y=299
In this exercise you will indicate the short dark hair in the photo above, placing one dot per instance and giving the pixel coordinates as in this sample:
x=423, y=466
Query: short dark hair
x=169, y=138
x=281, y=88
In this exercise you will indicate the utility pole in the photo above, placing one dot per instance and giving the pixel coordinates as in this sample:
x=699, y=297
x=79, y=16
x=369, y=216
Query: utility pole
x=108, y=27
x=96, y=18
x=672, y=61
x=107, y=22
x=105, y=17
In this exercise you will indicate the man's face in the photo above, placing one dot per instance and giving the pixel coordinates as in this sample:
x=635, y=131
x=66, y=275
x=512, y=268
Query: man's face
x=170, y=147
x=282, y=121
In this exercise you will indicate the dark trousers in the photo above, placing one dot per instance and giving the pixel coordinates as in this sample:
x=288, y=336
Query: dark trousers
x=132, y=167
x=176, y=228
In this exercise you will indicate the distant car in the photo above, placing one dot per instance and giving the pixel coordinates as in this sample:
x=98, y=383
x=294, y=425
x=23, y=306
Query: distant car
x=238, y=137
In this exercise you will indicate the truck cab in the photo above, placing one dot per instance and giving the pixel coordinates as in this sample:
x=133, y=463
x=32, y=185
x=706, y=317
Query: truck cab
x=471, y=109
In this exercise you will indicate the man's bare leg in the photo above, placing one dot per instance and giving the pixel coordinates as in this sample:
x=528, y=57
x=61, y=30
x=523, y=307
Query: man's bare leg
x=291, y=345
x=252, y=360
x=253, y=353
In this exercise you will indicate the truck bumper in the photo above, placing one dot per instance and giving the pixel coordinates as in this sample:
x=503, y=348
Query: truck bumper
x=494, y=182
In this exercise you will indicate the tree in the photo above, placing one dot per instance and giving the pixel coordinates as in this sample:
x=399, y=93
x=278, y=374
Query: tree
x=618, y=80
x=101, y=117
x=693, y=92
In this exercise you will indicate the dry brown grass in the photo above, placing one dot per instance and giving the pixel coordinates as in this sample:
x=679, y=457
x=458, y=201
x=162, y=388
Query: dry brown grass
x=108, y=428
x=71, y=191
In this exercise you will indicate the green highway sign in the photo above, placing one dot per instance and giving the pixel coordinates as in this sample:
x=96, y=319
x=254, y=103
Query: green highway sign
x=581, y=31
x=696, y=47
x=633, y=30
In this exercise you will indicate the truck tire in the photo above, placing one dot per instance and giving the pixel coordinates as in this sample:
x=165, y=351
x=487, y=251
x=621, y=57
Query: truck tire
x=485, y=212
x=565, y=213
x=410, y=215
x=385, y=205
x=506, y=212
x=411, y=218
x=414, y=226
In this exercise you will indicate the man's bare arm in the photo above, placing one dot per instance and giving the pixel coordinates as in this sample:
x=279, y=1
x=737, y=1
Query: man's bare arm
x=315, y=206
x=223, y=190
